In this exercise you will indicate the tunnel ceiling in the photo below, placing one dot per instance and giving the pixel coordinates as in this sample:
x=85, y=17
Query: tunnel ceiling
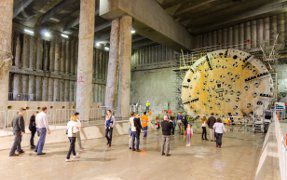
x=196, y=15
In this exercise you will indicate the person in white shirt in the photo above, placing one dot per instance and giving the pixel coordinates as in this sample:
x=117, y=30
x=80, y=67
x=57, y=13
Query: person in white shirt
x=219, y=129
x=42, y=126
x=72, y=129
x=203, y=127
x=78, y=134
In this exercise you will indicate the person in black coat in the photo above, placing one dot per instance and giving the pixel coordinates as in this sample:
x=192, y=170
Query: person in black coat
x=166, y=132
x=32, y=128
x=138, y=126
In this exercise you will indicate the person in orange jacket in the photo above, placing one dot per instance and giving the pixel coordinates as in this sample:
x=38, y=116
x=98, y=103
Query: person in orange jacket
x=145, y=121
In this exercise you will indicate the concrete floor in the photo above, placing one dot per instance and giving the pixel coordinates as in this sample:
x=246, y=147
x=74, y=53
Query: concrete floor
x=237, y=159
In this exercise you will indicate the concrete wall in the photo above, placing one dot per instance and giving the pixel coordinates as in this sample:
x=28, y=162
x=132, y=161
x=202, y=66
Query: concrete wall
x=157, y=85
x=45, y=70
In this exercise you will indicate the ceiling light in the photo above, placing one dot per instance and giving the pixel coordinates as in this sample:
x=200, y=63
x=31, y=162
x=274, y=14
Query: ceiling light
x=28, y=31
x=65, y=36
x=133, y=31
x=107, y=48
x=46, y=34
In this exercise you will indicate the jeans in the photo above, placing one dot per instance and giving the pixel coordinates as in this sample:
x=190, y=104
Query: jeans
x=17, y=143
x=203, y=134
x=135, y=136
x=165, y=147
x=218, y=137
x=42, y=132
x=109, y=135
x=72, y=147
x=145, y=131
x=32, y=138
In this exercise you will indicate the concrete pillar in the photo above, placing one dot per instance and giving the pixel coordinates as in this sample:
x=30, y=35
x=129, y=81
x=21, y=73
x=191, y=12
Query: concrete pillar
x=31, y=88
x=52, y=56
x=6, y=9
x=45, y=89
x=56, y=90
x=32, y=53
x=209, y=38
x=260, y=31
x=51, y=89
x=85, y=59
x=57, y=57
x=281, y=31
x=46, y=56
x=247, y=35
x=230, y=37
x=39, y=86
x=25, y=52
x=39, y=60
x=236, y=35
x=25, y=87
x=71, y=88
x=67, y=58
x=225, y=42
x=274, y=31
x=62, y=90
x=16, y=86
x=18, y=52
x=112, y=66
x=254, y=34
x=62, y=59
x=267, y=30
x=219, y=38
x=72, y=58
x=67, y=91
x=125, y=44
x=241, y=35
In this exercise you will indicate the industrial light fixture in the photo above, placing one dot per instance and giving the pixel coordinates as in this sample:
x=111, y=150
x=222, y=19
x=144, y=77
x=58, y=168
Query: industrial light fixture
x=107, y=48
x=29, y=31
x=65, y=36
x=133, y=31
x=99, y=43
x=46, y=34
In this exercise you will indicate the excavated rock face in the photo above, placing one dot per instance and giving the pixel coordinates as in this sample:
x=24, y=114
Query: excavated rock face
x=227, y=81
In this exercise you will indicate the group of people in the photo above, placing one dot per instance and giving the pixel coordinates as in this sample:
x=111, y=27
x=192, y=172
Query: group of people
x=39, y=124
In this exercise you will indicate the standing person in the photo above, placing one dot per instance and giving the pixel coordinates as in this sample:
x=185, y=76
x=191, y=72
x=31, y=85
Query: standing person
x=136, y=135
x=33, y=129
x=184, y=121
x=42, y=126
x=18, y=126
x=76, y=116
x=173, y=121
x=145, y=121
x=166, y=126
x=218, y=130
x=147, y=106
x=179, y=122
x=72, y=130
x=109, y=125
x=188, y=134
x=203, y=127
x=210, y=122
x=131, y=129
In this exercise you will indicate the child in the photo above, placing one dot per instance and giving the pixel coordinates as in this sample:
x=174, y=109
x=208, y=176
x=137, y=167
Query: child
x=188, y=134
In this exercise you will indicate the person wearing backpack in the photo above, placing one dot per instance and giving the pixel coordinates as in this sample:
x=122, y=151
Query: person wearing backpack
x=72, y=130
x=109, y=125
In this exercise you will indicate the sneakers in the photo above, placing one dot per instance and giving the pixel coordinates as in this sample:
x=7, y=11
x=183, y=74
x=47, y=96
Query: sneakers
x=76, y=157
x=41, y=154
x=21, y=152
x=13, y=155
x=68, y=160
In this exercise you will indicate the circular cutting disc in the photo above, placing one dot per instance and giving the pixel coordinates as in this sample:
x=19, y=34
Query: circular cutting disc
x=227, y=81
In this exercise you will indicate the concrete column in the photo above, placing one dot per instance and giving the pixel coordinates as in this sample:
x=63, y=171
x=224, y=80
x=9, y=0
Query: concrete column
x=267, y=30
x=85, y=59
x=39, y=60
x=247, y=35
x=39, y=86
x=219, y=38
x=125, y=44
x=225, y=38
x=260, y=31
x=71, y=88
x=209, y=38
x=72, y=58
x=62, y=59
x=112, y=66
x=46, y=56
x=25, y=52
x=241, y=36
x=6, y=9
x=254, y=34
x=62, y=90
x=18, y=52
x=57, y=57
x=45, y=89
x=281, y=28
x=68, y=58
x=31, y=88
x=51, y=89
x=25, y=87
x=236, y=35
x=52, y=56
x=274, y=29
x=32, y=53
x=230, y=37
x=16, y=87
x=76, y=58
x=56, y=90
x=67, y=91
